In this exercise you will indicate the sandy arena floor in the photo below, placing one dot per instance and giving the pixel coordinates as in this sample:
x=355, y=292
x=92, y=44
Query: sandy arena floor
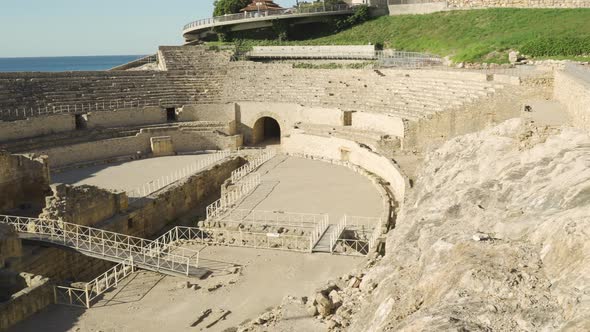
x=126, y=175
x=301, y=185
x=149, y=302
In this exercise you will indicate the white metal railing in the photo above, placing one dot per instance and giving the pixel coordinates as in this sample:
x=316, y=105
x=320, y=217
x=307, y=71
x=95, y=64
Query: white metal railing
x=156, y=185
x=356, y=246
x=24, y=112
x=105, y=244
x=239, y=238
x=232, y=196
x=337, y=232
x=241, y=172
x=248, y=16
x=274, y=218
x=93, y=289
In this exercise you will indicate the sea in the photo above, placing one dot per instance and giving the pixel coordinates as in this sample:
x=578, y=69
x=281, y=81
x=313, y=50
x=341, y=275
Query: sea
x=66, y=63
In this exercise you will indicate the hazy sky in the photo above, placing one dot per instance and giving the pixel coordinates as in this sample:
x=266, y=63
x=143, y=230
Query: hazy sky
x=96, y=27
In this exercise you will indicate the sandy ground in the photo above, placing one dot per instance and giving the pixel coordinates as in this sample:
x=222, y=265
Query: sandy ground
x=148, y=301
x=293, y=184
x=126, y=175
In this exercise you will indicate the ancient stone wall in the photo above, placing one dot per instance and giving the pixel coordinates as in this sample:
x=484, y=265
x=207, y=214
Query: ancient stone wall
x=345, y=150
x=24, y=179
x=83, y=205
x=101, y=150
x=10, y=245
x=59, y=264
x=189, y=195
x=399, y=7
x=126, y=117
x=572, y=88
x=36, y=126
x=518, y=3
x=475, y=116
x=37, y=295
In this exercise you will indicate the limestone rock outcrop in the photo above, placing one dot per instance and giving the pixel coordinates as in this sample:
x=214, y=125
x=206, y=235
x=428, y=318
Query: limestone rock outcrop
x=493, y=238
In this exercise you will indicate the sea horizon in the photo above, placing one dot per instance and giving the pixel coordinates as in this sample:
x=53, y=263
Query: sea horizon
x=64, y=63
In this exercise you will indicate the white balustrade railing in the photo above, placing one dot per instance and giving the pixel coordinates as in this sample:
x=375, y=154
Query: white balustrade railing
x=156, y=185
x=264, y=156
x=232, y=196
x=105, y=244
x=24, y=112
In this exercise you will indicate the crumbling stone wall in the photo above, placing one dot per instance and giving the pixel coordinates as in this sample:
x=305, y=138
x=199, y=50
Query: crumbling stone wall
x=83, y=205
x=191, y=195
x=10, y=244
x=572, y=88
x=59, y=264
x=24, y=181
x=37, y=295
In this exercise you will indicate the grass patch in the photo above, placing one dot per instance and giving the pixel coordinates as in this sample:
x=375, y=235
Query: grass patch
x=484, y=35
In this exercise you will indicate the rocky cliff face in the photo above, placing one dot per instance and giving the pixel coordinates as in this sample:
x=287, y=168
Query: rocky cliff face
x=495, y=237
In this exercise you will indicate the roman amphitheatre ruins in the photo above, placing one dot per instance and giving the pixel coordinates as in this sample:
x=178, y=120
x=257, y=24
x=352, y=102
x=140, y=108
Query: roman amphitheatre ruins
x=199, y=189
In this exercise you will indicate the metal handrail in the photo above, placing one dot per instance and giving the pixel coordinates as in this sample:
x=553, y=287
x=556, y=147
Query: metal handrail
x=241, y=189
x=212, y=21
x=102, y=243
x=93, y=289
x=241, y=172
x=23, y=113
x=156, y=185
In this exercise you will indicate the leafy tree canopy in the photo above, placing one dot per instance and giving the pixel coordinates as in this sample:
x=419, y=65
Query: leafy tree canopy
x=222, y=7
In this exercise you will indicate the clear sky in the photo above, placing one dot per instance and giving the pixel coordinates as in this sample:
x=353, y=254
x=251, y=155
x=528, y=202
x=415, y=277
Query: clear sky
x=96, y=27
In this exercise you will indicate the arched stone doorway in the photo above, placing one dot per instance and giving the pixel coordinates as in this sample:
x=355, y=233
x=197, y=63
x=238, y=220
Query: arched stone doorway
x=266, y=131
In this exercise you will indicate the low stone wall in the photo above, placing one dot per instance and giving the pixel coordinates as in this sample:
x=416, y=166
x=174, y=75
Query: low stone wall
x=38, y=295
x=36, y=126
x=83, y=205
x=380, y=122
x=572, y=88
x=402, y=7
x=223, y=113
x=417, y=8
x=311, y=51
x=345, y=150
x=95, y=151
x=126, y=117
x=468, y=4
x=24, y=179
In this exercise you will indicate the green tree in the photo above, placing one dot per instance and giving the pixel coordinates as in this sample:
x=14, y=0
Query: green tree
x=222, y=7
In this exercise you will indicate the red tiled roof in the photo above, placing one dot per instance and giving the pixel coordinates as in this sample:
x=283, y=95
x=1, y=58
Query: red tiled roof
x=262, y=5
